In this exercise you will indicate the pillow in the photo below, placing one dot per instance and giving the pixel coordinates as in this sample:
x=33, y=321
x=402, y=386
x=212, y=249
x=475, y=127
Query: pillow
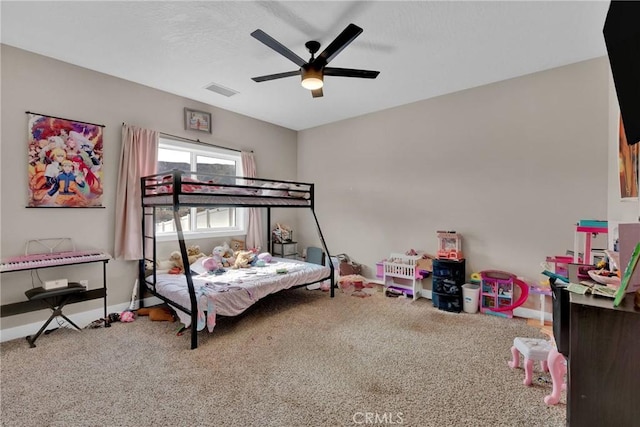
x=299, y=191
x=280, y=189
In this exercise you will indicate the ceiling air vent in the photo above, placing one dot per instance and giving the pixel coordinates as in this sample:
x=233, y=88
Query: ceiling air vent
x=214, y=87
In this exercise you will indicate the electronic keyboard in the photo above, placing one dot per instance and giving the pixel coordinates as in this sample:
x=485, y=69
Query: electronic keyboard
x=52, y=259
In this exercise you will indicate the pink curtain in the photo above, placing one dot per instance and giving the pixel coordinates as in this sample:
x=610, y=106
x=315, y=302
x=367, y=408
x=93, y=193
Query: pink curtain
x=139, y=158
x=254, y=230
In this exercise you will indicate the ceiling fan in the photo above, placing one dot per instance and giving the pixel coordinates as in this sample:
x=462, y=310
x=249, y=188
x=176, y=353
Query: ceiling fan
x=315, y=69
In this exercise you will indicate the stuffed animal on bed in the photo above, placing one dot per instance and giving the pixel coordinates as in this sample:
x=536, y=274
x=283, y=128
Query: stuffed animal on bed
x=194, y=253
x=265, y=256
x=224, y=254
x=243, y=259
x=177, y=266
x=212, y=263
x=262, y=259
x=228, y=255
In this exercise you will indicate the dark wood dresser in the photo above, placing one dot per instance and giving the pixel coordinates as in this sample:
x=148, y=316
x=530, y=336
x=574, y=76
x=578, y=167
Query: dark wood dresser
x=603, y=384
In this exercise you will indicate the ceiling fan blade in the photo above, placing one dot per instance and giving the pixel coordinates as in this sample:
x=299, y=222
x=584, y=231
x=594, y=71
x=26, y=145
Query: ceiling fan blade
x=348, y=35
x=317, y=93
x=275, y=76
x=350, y=72
x=278, y=47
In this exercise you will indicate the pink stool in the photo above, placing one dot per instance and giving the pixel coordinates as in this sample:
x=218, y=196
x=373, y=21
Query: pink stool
x=532, y=349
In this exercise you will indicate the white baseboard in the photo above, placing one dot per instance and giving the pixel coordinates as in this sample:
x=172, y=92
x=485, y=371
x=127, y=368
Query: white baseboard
x=526, y=313
x=81, y=319
x=529, y=313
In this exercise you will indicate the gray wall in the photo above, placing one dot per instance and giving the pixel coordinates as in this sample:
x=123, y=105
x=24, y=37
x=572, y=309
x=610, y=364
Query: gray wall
x=42, y=85
x=512, y=166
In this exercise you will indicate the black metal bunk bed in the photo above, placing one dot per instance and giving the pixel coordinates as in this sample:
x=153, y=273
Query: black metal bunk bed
x=176, y=189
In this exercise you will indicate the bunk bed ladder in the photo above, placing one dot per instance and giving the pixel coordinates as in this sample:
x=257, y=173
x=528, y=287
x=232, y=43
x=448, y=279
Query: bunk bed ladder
x=147, y=212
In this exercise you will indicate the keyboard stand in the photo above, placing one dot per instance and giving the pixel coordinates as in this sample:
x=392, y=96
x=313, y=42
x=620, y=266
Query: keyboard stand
x=56, y=299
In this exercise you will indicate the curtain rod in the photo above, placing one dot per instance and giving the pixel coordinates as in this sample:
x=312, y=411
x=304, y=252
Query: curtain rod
x=62, y=118
x=197, y=141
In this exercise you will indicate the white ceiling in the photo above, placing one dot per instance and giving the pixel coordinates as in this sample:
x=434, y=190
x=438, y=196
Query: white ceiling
x=422, y=49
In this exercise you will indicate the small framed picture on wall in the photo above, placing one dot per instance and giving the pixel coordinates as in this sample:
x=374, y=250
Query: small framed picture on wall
x=197, y=120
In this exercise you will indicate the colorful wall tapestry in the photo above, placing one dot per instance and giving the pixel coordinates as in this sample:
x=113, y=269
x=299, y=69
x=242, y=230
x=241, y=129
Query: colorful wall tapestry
x=628, y=160
x=65, y=162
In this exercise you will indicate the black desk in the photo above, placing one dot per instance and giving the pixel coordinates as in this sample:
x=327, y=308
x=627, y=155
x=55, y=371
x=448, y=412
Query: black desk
x=35, y=305
x=604, y=362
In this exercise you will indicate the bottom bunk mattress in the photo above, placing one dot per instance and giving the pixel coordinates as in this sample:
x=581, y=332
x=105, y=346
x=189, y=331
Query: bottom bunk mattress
x=231, y=293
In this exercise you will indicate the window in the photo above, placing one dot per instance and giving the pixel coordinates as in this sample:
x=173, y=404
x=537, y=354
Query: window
x=199, y=222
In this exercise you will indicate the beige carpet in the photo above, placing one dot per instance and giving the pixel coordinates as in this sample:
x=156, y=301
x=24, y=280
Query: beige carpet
x=298, y=358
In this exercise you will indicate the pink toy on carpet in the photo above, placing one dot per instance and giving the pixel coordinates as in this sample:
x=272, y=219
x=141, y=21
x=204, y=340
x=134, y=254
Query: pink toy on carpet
x=127, y=316
x=354, y=284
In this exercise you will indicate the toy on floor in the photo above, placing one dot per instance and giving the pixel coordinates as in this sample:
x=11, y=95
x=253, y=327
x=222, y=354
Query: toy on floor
x=354, y=285
x=450, y=245
x=161, y=313
x=401, y=271
x=126, y=316
x=496, y=293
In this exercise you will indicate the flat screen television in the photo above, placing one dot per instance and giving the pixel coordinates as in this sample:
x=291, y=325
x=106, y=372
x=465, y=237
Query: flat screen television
x=622, y=38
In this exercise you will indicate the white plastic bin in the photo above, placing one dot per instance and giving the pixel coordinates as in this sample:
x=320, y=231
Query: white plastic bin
x=470, y=297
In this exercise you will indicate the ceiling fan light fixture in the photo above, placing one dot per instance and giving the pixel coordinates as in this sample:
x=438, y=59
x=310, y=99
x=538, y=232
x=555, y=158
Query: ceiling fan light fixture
x=311, y=78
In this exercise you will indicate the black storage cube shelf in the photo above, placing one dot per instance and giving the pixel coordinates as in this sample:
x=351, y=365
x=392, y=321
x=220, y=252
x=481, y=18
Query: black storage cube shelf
x=451, y=303
x=448, y=278
x=446, y=286
x=445, y=269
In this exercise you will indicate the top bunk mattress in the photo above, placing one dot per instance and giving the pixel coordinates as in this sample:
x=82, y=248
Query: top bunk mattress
x=199, y=189
x=231, y=293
